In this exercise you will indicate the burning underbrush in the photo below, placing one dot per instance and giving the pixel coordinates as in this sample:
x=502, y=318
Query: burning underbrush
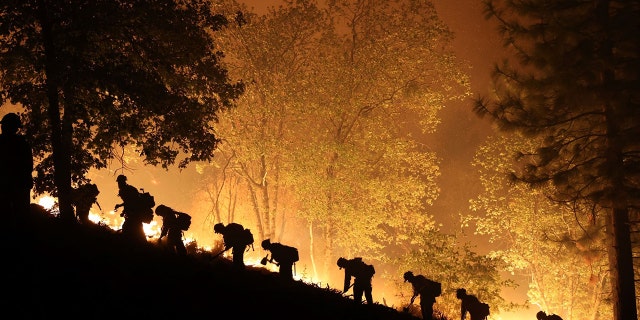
x=58, y=269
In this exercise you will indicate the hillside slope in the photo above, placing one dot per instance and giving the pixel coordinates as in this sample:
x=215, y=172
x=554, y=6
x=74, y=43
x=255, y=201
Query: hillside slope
x=57, y=270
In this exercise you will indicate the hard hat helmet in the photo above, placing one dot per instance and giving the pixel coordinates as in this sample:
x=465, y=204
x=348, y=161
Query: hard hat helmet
x=408, y=275
x=121, y=178
x=266, y=244
x=218, y=227
x=161, y=210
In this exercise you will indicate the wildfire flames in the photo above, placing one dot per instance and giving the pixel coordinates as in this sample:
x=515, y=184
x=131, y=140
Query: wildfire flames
x=152, y=230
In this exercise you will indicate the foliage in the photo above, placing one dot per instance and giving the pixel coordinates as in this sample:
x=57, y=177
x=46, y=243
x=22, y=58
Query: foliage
x=574, y=88
x=383, y=67
x=321, y=132
x=445, y=259
x=270, y=54
x=561, y=250
x=119, y=73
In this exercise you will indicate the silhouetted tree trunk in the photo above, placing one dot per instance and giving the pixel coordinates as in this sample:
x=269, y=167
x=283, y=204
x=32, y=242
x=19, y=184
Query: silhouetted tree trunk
x=60, y=140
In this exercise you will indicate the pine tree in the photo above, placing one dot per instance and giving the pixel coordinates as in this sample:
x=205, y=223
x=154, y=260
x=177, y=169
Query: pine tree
x=556, y=246
x=575, y=85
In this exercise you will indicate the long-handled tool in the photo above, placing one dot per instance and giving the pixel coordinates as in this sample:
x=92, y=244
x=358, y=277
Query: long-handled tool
x=347, y=289
x=221, y=252
x=266, y=259
x=406, y=309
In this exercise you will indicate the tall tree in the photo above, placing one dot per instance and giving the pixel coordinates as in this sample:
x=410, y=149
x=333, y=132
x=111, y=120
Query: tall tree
x=384, y=66
x=332, y=87
x=270, y=53
x=98, y=75
x=322, y=135
x=555, y=245
x=575, y=86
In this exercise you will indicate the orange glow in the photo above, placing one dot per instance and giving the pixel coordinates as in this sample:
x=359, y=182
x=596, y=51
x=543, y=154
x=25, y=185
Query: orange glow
x=111, y=219
x=383, y=293
x=47, y=202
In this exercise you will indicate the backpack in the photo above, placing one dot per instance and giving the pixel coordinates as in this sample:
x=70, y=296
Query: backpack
x=146, y=200
x=431, y=287
x=483, y=310
x=368, y=271
x=364, y=270
x=479, y=309
x=290, y=254
x=435, y=287
x=247, y=237
x=144, y=205
x=183, y=221
x=86, y=193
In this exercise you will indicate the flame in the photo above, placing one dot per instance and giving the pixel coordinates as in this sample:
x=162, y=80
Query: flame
x=48, y=202
x=152, y=230
x=111, y=219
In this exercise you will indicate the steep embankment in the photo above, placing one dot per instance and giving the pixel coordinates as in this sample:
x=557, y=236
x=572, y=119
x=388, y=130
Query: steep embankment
x=54, y=269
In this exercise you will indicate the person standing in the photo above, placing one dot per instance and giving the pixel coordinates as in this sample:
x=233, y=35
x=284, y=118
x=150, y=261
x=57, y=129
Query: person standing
x=16, y=167
x=285, y=256
x=132, y=227
x=362, y=274
x=235, y=237
x=83, y=198
x=171, y=229
x=427, y=289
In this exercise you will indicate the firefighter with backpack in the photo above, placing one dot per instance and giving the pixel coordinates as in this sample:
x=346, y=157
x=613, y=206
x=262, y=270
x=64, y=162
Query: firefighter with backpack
x=237, y=238
x=133, y=217
x=469, y=303
x=173, y=224
x=285, y=257
x=427, y=289
x=82, y=198
x=362, y=274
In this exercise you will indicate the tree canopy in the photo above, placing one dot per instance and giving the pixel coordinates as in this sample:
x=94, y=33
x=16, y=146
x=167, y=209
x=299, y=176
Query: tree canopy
x=326, y=139
x=96, y=76
x=321, y=131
